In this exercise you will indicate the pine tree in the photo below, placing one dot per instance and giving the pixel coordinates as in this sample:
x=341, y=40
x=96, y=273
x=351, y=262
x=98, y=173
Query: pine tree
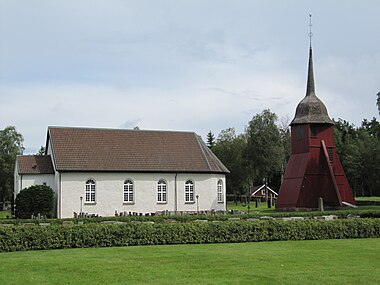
x=210, y=139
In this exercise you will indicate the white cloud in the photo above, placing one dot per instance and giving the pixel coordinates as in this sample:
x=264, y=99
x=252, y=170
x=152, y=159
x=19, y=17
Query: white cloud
x=219, y=96
x=349, y=86
x=180, y=65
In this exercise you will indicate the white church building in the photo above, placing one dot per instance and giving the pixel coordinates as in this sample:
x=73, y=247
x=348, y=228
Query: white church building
x=103, y=171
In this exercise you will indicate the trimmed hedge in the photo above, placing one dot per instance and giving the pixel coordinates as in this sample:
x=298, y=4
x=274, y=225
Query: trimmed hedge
x=33, y=237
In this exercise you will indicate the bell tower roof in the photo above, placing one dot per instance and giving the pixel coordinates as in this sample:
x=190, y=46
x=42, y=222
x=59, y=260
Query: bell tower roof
x=311, y=109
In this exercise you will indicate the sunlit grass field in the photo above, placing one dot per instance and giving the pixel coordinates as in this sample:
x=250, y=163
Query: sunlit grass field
x=291, y=262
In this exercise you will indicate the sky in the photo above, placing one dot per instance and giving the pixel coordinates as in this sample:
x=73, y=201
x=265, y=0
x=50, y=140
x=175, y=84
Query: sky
x=182, y=65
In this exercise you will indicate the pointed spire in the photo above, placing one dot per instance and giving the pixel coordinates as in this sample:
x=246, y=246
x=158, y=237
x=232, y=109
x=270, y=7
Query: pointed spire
x=310, y=88
x=311, y=109
x=310, y=33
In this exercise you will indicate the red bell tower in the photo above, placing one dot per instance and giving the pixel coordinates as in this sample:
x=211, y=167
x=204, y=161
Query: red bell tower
x=314, y=169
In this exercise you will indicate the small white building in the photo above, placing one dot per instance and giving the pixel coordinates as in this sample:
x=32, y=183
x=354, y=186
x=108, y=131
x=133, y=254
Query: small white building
x=103, y=171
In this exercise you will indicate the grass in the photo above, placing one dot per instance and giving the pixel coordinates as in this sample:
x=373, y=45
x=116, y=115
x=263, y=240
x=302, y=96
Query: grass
x=243, y=206
x=264, y=210
x=291, y=262
x=373, y=198
x=4, y=214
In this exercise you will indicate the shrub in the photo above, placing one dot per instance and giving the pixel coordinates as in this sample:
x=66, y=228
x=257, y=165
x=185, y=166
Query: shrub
x=37, y=199
x=32, y=237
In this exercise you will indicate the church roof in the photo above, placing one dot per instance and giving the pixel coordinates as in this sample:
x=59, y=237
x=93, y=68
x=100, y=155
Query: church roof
x=34, y=164
x=120, y=150
x=311, y=109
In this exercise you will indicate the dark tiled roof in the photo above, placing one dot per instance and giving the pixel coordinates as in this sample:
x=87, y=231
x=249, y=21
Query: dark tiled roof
x=34, y=164
x=89, y=149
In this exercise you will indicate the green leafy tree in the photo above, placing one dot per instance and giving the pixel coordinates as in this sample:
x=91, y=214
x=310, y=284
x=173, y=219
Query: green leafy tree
x=285, y=136
x=378, y=102
x=359, y=152
x=369, y=147
x=372, y=127
x=11, y=145
x=229, y=149
x=347, y=147
x=37, y=199
x=264, y=152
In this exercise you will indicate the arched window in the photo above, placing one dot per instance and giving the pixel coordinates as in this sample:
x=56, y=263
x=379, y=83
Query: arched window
x=189, y=191
x=90, y=191
x=219, y=188
x=128, y=191
x=161, y=191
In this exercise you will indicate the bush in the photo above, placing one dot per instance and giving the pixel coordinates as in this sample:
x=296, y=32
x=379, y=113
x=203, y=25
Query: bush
x=32, y=237
x=37, y=199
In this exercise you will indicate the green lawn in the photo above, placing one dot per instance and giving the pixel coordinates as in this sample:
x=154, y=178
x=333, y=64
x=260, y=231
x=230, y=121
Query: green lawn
x=243, y=207
x=264, y=210
x=373, y=198
x=291, y=262
x=4, y=214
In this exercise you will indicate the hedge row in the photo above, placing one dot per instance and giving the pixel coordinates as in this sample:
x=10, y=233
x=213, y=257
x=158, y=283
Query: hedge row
x=105, y=235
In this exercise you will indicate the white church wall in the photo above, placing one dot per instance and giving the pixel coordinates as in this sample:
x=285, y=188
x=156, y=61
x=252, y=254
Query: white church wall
x=109, y=193
x=27, y=180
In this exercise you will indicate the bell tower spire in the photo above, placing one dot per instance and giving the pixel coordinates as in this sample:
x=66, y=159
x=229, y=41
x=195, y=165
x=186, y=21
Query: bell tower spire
x=314, y=173
x=310, y=33
x=310, y=88
x=311, y=109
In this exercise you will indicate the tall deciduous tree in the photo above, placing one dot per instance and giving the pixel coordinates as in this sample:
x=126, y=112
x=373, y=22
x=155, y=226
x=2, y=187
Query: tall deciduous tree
x=359, y=151
x=369, y=146
x=11, y=145
x=264, y=151
x=229, y=149
x=284, y=129
x=347, y=147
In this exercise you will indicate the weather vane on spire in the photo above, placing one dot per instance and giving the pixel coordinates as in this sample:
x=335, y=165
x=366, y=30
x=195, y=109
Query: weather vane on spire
x=310, y=33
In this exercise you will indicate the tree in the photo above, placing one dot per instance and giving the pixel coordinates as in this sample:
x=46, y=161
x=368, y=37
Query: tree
x=378, y=102
x=210, y=139
x=37, y=199
x=347, y=147
x=369, y=146
x=372, y=127
x=229, y=149
x=41, y=151
x=286, y=142
x=264, y=151
x=359, y=151
x=11, y=145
